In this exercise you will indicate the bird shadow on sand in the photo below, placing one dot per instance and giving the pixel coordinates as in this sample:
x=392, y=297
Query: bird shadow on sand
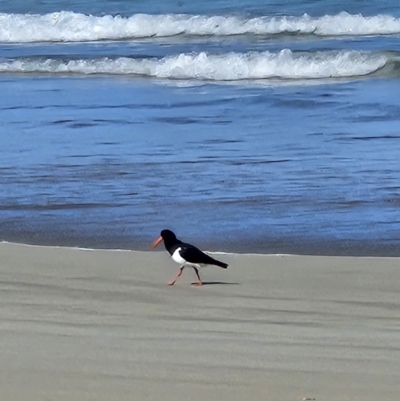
x=205, y=283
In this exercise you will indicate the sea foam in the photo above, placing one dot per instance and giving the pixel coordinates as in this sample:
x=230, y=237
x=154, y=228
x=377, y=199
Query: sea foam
x=203, y=66
x=66, y=26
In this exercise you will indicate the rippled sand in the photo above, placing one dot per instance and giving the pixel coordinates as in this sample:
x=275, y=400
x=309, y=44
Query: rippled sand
x=103, y=325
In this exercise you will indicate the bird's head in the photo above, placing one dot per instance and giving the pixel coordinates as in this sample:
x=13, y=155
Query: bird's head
x=165, y=235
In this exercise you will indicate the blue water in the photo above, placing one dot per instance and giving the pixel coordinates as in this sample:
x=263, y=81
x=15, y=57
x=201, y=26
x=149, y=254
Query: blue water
x=251, y=126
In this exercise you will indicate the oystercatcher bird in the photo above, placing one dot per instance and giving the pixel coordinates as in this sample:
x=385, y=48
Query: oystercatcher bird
x=185, y=255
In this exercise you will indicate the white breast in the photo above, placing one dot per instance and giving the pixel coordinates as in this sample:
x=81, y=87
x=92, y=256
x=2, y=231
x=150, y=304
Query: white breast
x=177, y=256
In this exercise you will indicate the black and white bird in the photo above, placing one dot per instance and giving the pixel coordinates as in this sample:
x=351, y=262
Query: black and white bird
x=186, y=255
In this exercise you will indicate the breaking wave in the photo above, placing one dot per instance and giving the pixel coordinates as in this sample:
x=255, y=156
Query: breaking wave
x=203, y=66
x=68, y=26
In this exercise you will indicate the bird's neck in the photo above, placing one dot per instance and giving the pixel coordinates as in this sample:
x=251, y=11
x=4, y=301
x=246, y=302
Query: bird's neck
x=171, y=245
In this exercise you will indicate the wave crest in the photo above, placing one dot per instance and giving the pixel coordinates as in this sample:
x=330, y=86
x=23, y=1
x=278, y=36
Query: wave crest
x=68, y=26
x=202, y=66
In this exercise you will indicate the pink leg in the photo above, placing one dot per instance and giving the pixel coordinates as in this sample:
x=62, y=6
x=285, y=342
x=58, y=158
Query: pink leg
x=199, y=282
x=172, y=282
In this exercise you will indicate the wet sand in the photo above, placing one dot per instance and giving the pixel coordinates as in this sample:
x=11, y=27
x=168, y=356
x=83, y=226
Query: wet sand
x=103, y=325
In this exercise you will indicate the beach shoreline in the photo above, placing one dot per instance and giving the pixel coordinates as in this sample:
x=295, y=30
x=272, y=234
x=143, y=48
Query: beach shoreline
x=102, y=324
x=231, y=243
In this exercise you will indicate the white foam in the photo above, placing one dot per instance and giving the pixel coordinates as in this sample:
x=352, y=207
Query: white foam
x=227, y=67
x=74, y=248
x=68, y=26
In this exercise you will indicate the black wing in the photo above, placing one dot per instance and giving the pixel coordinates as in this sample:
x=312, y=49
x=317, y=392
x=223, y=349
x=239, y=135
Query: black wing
x=193, y=255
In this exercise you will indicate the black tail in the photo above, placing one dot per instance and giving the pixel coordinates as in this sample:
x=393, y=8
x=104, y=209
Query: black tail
x=220, y=264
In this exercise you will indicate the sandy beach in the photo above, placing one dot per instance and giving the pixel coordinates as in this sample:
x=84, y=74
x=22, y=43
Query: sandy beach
x=103, y=325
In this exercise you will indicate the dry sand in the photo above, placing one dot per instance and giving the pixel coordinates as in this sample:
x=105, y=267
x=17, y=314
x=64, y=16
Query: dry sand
x=103, y=325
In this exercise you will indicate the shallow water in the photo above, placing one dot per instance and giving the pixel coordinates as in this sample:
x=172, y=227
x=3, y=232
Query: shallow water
x=276, y=142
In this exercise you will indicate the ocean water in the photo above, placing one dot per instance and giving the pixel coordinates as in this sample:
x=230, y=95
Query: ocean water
x=251, y=126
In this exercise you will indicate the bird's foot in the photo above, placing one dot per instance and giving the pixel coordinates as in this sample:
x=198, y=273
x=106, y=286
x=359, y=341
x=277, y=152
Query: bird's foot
x=171, y=282
x=198, y=284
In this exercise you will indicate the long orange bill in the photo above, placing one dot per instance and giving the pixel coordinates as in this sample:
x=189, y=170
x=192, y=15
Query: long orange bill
x=156, y=242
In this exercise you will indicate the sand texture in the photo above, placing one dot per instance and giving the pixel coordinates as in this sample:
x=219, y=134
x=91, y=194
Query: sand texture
x=103, y=325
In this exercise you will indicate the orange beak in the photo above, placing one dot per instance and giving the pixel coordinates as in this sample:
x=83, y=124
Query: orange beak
x=156, y=242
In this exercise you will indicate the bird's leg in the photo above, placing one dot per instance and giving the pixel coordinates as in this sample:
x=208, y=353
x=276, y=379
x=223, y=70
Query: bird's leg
x=172, y=282
x=199, y=282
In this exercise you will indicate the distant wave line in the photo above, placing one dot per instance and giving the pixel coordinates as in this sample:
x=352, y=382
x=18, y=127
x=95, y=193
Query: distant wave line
x=67, y=26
